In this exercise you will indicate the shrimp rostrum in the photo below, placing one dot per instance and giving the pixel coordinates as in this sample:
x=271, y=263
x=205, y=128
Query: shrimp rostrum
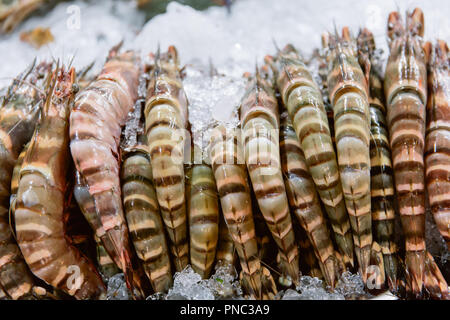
x=41, y=205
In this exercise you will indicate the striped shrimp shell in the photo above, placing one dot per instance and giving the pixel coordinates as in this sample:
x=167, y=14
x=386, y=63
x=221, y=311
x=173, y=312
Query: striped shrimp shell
x=437, y=143
x=166, y=116
x=41, y=207
x=382, y=179
x=303, y=100
x=405, y=87
x=203, y=213
x=304, y=200
x=143, y=215
x=227, y=160
x=260, y=125
x=348, y=91
x=20, y=108
x=96, y=120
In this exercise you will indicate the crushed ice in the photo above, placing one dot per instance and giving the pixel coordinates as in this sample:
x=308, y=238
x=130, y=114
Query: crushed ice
x=84, y=30
x=233, y=42
x=117, y=288
x=188, y=285
x=212, y=99
x=350, y=286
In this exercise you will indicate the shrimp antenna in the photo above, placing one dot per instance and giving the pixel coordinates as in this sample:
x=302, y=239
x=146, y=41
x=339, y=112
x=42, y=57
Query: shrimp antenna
x=52, y=55
x=72, y=59
x=336, y=34
x=85, y=70
x=276, y=45
x=114, y=50
x=158, y=59
x=19, y=80
x=51, y=88
x=257, y=75
x=212, y=69
x=70, y=62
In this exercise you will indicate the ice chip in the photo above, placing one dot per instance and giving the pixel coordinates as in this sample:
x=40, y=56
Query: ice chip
x=188, y=285
x=351, y=286
x=117, y=288
x=291, y=294
x=313, y=289
x=224, y=283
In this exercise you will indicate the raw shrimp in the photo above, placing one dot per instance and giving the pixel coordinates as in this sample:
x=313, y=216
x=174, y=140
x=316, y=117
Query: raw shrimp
x=437, y=143
x=40, y=212
x=231, y=178
x=87, y=206
x=405, y=87
x=303, y=100
x=348, y=91
x=382, y=179
x=304, y=200
x=260, y=125
x=203, y=213
x=166, y=116
x=19, y=112
x=95, y=127
x=141, y=207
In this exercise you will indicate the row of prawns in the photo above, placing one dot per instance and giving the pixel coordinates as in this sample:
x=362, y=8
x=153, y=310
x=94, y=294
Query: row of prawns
x=132, y=194
x=353, y=173
x=373, y=122
x=151, y=214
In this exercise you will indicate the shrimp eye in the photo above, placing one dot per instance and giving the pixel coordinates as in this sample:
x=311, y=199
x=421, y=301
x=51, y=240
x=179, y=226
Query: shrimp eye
x=75, y=88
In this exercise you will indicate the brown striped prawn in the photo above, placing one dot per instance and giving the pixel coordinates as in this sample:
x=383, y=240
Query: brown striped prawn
x=41, y=204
